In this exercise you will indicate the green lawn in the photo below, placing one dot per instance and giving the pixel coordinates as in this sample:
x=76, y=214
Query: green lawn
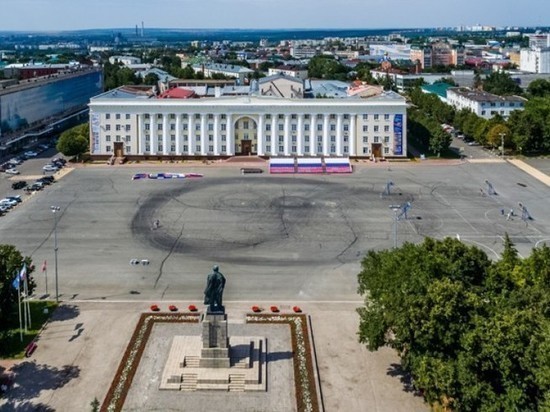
x=10, y=340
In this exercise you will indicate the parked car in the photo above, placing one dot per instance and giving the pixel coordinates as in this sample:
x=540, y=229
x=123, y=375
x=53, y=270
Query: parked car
x=8, y=202
x=15, y=161
x=30, y=153
x=45, y=182
x=18, y=185
x=49, y=178
x=34, y=187
x=59, y=160
x=50, y=168
x=15, y=198
x=4, y=209
x=12, y=171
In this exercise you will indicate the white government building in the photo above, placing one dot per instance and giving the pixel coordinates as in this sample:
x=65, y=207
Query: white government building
x=276, y=116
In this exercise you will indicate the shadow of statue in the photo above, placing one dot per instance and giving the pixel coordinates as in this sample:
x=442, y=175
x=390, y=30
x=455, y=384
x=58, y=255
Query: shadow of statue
x=31, y=378
x=26, y=406
x=65, y=312
x=277, y=356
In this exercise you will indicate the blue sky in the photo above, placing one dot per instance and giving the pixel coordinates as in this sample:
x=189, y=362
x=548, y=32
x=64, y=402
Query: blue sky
x=56, y=15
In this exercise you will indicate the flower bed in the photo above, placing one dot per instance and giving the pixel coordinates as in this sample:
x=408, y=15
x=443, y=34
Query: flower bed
x=192, y=308
x=114, y=400
x=304, y=378
x=297, y=309
x=155, y=308
x=173, y=308
x=274, y=309
x=256, y=309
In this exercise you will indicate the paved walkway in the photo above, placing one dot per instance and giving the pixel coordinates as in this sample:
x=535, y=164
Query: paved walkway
x=79, y=351
x=537, y=174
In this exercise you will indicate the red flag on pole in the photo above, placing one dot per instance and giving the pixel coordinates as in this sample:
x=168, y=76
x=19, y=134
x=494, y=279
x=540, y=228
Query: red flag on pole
x=44, y=266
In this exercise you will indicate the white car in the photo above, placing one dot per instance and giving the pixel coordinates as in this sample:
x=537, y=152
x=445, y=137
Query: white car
x=30, y=153
x=8, y=203
x=12, y=171
x=50, y=168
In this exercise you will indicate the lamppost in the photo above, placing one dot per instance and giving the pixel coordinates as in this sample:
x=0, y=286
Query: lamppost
x=502, y=143
x=55, y=209
x=396, y=209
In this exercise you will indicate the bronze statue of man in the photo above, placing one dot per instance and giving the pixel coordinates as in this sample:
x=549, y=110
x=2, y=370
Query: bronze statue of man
x=213, y=293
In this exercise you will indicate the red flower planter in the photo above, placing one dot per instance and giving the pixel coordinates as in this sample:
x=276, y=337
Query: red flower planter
x=173, y=308
x=256, y=309
x=274, y=309
x=192, y=308
x=297, y=309
x=155, y=308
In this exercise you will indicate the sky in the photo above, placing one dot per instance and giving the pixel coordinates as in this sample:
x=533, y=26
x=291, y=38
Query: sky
x=58, y=15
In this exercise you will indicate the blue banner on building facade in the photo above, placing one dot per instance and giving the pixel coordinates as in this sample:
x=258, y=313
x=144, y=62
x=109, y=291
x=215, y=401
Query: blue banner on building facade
x=398, y=135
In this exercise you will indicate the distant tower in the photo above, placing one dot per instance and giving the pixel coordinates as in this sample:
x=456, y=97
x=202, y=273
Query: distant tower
x=137, y=31
x=142, y=30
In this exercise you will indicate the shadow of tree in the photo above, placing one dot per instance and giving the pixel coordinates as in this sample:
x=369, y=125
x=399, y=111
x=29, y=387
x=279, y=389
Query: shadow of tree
x=396, y=370
x=31, y=379
x=26, y=406
x=65, y=312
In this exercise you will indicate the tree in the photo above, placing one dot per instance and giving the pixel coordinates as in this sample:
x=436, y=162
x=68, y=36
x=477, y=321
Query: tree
x=539, y=88
x=501, y=83
x=151, y=79
x=11, y=262
x=473, y=334
x=495, y=134
x=75, y=141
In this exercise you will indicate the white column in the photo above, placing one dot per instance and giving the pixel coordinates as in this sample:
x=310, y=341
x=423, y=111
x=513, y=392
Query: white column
x=204, y=135
x=165, y=147
x=154, y=136
x=191, y=134
x=339, y=136
x=261, y=128
x=216, y=134
x=312, y=135
x=300, y=143
x=287, y=135
x=141, y=133
x=274, y=135
x=325, y=135
x=352, y=137
x=179, y=138
x=230, y=137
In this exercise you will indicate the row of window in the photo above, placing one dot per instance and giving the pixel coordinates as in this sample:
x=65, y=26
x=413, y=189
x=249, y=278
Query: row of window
x=332, y=148
x=281, y=127
x=118, y=116
x=376, y=139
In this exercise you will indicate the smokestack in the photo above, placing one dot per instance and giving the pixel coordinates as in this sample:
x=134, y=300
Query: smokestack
x=142, y=30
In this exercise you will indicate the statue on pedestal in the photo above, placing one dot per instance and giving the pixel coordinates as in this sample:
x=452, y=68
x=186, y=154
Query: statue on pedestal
x=213, y=293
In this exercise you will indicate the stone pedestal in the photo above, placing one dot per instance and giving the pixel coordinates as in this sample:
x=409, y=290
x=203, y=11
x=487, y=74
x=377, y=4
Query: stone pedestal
x=215, y=343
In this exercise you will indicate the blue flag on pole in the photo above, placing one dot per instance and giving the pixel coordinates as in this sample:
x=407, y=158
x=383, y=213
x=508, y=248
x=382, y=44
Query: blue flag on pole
x=19, y=277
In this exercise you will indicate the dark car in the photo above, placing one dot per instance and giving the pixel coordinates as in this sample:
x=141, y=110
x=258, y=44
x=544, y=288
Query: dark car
x=18, y=185
x=49, y=178
x=44, y=181
x=34, y=187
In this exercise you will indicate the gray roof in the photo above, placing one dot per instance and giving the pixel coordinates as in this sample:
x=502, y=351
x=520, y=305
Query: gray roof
x=268, y=79
x=481, y=96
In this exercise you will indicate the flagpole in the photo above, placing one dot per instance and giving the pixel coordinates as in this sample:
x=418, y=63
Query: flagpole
x=28, y=307
x=20, y=320
x=45, y=270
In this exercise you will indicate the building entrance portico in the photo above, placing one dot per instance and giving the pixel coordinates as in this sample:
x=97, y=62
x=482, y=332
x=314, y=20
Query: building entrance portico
x=246, y=135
